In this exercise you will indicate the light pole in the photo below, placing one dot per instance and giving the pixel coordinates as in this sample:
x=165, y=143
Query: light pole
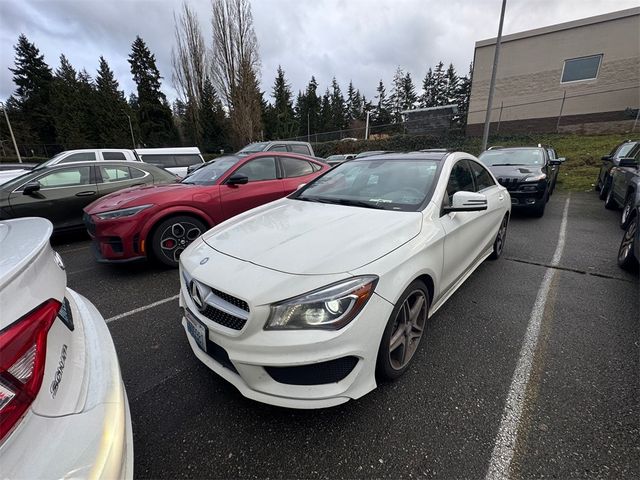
x=15, y=146
x=366, y=128
x=308, y=129
x=133, y=141
x=496, y=55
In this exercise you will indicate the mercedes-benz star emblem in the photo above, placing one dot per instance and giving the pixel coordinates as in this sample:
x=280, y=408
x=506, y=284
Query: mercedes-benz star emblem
x=196, y=295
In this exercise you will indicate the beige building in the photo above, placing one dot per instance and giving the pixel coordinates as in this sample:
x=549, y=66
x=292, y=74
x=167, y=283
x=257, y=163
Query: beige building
x=581, y=76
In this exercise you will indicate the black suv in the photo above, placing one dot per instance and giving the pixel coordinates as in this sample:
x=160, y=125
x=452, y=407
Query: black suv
x=628, y=148
x=528, y=173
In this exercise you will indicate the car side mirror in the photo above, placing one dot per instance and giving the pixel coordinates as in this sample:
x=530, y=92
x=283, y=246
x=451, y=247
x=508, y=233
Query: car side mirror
x=606, y=158
x=628, y=162
x=556, y=161
x=237, y=179
x=467, y=202
x=31, y=188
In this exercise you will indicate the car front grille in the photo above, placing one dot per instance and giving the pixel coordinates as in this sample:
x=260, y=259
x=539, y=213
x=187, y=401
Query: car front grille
x=509, y=183
x=223, y=318
x=231, y=299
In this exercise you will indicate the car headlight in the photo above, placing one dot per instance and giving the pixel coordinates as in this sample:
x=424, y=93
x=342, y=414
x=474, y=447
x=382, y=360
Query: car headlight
x=124, y=212
x=329, y=308
x=536, y=178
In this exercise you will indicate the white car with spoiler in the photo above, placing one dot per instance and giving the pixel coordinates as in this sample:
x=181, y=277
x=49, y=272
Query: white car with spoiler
x=63, y=407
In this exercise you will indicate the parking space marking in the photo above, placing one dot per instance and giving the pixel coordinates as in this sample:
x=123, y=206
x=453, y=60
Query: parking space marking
x=505, y=442
x=78, y=249
x=141, y=309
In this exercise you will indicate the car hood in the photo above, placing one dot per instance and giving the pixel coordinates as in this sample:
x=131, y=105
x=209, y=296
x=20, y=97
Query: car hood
x=305, y=238
x=129, y=197
x=515, y=171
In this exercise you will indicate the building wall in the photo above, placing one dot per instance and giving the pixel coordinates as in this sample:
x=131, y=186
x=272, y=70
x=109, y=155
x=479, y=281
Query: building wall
x=529, y=95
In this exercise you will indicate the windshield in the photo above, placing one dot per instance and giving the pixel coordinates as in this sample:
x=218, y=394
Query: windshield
x=254, y=147
x=521, y=156
x=48, y=162
x=384, y=184
x=625, y=149
x=208, y=174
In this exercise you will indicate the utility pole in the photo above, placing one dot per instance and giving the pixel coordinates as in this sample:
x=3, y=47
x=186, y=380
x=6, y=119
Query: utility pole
x=308, y=128
x=133, y=141
x=366, y=128
x=487, y=119
x=15, y=146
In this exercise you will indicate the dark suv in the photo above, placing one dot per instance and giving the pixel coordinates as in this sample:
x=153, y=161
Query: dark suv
x=628, y=148
x=528, y=173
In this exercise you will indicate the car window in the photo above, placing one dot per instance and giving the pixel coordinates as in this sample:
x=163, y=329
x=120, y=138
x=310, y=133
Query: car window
x=113, y=156
x=263, y=168
x=295, y=168
x=278, y=148
x=187, y=159
x=79, y=157
x=624, y=150
x=460, y=179
x=303, y=149
x=136, y=173
x=552, y=153
x=481, y=175
x=114, y=174
x=162, y=160
x=67, y=177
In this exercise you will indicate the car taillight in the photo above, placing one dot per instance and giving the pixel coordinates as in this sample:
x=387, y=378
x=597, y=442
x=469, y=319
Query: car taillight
x=23, y=346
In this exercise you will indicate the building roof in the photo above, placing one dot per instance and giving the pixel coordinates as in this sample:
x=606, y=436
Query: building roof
x=427, y=109
x=630, y=12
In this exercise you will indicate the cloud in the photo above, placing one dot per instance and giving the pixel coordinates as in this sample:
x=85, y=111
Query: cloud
x=359, y=40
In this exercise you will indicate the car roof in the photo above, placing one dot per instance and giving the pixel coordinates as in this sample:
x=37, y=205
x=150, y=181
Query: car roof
x=167, y=151
x=419, y=155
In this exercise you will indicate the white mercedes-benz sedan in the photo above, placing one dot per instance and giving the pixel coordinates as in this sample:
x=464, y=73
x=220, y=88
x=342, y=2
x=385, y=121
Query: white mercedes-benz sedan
x=63, y=407
x=306, y=301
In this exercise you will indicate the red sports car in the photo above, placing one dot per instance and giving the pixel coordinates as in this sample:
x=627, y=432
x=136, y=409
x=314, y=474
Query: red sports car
x=162, y=220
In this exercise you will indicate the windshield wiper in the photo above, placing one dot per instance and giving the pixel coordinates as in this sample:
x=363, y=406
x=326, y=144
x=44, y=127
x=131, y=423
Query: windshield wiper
x=342, y=201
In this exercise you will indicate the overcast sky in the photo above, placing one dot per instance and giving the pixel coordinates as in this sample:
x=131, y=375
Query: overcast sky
x=359, y=40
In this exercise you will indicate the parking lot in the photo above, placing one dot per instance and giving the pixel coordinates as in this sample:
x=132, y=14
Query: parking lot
x=580, y=413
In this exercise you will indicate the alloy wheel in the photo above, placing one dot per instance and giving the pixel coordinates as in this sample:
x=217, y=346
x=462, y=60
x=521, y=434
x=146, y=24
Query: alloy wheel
x=502, y=234
x=408, y=327
x=626, y=211
x=626, y=246
x=176, y=237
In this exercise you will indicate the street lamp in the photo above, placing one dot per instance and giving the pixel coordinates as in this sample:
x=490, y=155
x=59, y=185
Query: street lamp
x=15, y=146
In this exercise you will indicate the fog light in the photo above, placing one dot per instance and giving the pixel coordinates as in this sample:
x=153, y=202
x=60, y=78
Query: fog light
x=531, y=201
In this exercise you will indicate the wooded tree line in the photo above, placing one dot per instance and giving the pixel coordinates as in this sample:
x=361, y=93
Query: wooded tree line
x=219, y=104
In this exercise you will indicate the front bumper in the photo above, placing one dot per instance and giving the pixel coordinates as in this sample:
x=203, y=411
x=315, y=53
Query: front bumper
x=250, y=360
x=97, y=442
x=115, y=241
x=527, y=196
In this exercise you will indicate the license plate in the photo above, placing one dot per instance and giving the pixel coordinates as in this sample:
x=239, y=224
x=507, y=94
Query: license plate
x=197, y=330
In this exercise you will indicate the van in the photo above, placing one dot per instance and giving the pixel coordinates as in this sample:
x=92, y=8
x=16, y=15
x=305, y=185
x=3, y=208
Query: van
x=176, y=160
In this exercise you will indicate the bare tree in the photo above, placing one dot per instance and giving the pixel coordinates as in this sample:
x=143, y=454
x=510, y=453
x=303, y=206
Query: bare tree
x=190, y=69
x=234, y=66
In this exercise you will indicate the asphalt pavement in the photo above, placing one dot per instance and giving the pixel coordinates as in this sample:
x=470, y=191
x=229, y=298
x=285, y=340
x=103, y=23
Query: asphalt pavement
x=580, y=411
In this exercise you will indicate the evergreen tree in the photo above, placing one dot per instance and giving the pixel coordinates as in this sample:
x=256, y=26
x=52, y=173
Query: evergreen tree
x=463, y=93
x=408, y=93
x=439, y=86
x=153, y=111
x=382, y=113
x=308, y=108
x=30, y=105
x=396, y=99
x=338, y=107
x=215, y=134
x=66, y=107
x=326, y=114
x=111, y=122
x=357, y=105
x=353, y=98
x=451, y=81
x=426, y=99
x=285, y=122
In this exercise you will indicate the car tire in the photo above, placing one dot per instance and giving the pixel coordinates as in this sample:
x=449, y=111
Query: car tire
x=604, y=189
x=173, y=235
x=538, y=209
x=598, y=185
x=404, y=330
x=626, y=211
x=626, y=256
x=609, y=201
x=501, y=237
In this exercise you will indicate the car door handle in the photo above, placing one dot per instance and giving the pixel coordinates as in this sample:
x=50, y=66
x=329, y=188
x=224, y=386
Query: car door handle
x=85, y=194
x=500, y=197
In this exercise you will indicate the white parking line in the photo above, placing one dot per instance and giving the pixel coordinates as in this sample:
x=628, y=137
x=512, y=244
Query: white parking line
x=73, y=249
x=505, y=443
x=141, y=309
